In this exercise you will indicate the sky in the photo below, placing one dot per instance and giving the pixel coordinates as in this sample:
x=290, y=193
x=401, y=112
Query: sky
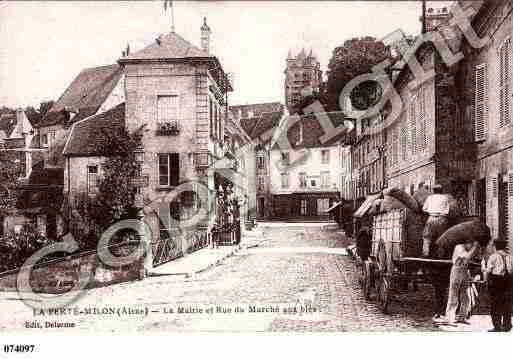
x=44, y=45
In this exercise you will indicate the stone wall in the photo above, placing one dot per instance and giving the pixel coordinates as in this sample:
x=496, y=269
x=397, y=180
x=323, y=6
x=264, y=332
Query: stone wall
x=60, y=275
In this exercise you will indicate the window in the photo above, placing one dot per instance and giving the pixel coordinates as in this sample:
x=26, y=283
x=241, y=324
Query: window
x=323, y=204
x=44, y=140
x=303, y=207
x=285, y=158
x=302, y=180
x=261, y=183
x=211, y=117
x=167, y=108
x=325, y=179
x=92, y=179
x=284, y=180
x=480, y=102
x=325, y=157
x=169, y=169
x=422, y=139
x=216, y=126
x=413, y=125
x=260, y=162
x=313, y=183
x=504, y=85
x=404, y=139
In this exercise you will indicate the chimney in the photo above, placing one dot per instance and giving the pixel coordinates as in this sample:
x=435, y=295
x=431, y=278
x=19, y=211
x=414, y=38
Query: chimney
x=205, y=36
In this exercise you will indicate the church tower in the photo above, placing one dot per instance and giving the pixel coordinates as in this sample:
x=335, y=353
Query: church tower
x=301, y=71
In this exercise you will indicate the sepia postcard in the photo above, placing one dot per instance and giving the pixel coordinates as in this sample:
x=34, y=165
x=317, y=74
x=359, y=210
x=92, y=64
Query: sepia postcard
x=255, y=166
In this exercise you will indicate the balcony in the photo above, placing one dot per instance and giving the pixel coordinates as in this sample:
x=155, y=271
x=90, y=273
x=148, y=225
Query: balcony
x=168, y=128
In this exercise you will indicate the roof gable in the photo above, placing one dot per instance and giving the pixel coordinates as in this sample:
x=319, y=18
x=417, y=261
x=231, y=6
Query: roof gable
x=168, y=46
x=313, y=131
x=243, y=111
x=85, y=94
x=88, y=135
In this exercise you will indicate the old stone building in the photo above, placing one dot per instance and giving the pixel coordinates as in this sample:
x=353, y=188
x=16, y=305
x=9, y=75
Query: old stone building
x=178, y=93
x=485, y=84
x=40, y=146
x=431, y=142
x=304, y=178
x=259, y=121
x=301, y=71
x=39, y=189
x=366, y=158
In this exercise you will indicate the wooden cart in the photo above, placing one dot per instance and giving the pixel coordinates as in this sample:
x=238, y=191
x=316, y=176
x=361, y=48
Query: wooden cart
x=388, y=268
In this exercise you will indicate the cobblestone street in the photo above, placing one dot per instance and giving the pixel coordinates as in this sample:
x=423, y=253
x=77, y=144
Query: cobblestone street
x=268, y=276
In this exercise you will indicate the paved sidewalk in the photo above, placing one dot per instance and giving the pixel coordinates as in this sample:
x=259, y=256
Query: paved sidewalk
x=206, y=258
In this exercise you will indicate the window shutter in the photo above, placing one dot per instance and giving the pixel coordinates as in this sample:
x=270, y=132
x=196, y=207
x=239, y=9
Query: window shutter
x=421, y=140
x=493, y=214
x=480, y=102
x=510, y=210
x=472, y=198
x=504, y=83
x=174, y=169
x=413, y=126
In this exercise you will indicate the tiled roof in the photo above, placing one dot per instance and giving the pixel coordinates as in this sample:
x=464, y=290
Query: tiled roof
x=168, y=46
x=87, y=136
x=248, y=124
x=263, y=117
x=267, y=121
x=85, y=94
x=257, y=109
x=313, y=131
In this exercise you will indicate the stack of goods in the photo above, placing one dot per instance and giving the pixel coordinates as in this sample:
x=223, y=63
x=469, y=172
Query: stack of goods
x=395, y=198
x=403, y=197
x=389, y=203
x=375, y=207
x=475, y=229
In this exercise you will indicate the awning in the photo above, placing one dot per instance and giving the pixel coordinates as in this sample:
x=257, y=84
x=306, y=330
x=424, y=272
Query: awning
x=366, y=205
x=334, y=206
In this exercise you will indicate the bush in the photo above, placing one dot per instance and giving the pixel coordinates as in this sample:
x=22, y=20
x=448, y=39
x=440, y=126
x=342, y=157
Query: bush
x=16, y=248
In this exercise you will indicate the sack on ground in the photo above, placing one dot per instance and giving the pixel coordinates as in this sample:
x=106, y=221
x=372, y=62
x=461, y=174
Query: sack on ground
x=402, y=196
x=476, y=230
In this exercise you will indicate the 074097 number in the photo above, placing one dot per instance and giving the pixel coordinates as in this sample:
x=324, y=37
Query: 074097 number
x=19, y=348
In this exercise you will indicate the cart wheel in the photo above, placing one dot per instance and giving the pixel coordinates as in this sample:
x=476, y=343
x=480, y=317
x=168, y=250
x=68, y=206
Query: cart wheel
x=367, y=279
x=382, y=279
x=383, y=291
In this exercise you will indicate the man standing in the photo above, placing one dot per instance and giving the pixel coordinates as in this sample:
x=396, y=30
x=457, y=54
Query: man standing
x=460, y=281
x=498, y=272
x=437, y=206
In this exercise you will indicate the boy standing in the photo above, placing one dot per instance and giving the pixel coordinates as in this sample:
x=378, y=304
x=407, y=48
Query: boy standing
x=498, y=272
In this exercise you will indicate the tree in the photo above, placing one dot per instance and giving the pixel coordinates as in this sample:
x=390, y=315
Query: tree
x=117, y=191
x=11, y=169
x=356, y=57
